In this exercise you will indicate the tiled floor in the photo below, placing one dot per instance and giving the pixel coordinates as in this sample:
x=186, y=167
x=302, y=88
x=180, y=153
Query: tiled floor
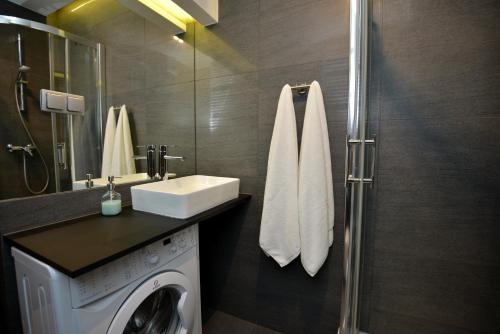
x=223, y=323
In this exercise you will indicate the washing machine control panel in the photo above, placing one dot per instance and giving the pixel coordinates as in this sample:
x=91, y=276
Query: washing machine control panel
x=119, y=273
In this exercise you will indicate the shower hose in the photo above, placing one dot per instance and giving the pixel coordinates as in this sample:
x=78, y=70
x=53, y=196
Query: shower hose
x=28, y=133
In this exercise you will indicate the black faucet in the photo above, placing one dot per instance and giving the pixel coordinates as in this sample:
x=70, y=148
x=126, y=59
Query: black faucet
x=162, y=163
x=151, y=163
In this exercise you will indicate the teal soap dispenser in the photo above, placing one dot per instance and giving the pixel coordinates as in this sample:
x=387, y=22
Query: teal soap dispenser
x=111, y=203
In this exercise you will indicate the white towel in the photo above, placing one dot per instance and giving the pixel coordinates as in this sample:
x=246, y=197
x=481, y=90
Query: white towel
x=316, y=210
x=109, y=139
x=123, y=151
x=279, y=229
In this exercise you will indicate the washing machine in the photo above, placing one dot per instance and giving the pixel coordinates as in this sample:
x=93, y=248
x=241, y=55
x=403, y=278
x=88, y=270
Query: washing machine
x=152, y=290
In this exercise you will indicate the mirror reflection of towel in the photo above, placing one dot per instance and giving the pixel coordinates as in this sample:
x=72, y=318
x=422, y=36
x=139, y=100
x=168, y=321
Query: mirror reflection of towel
x=109, y=141
x=123, y=162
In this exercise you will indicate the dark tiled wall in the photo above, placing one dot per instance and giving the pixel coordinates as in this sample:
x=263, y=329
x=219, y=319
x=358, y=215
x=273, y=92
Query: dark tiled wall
x=241, y=65
x=11, y=130
x=433, y=227
x=148, y=71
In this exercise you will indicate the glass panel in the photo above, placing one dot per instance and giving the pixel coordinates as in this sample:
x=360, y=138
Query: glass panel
x=58, y=63
x=86, y=130
x=157, y=314
x=77, y=139
x=60, y=122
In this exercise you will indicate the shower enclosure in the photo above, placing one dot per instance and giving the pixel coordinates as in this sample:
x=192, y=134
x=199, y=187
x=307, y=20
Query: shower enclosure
x=70, y=144
x=422, y=228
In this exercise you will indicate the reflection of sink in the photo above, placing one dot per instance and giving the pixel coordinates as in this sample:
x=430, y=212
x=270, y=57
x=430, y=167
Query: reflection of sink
x=101, y=182
x=184, y=197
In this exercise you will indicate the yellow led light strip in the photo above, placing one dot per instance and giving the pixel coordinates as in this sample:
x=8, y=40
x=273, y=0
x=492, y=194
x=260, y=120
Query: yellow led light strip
x=81, y=5
x=169, y=10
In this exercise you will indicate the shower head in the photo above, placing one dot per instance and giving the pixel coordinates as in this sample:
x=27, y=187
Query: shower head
x=24, y=68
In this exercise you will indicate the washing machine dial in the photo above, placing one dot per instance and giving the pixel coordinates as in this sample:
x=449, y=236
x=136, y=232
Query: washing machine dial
x=182, y=241
x=152, y=256
x=153, y=259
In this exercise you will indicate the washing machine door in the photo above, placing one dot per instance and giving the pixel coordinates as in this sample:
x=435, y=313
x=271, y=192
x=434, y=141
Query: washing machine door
x=163, y=304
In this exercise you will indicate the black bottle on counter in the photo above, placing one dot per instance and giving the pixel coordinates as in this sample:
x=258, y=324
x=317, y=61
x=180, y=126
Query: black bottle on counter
x=151, y=163
x=162, y=163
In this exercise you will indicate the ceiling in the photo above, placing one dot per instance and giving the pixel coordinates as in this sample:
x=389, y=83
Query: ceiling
x=44, y=7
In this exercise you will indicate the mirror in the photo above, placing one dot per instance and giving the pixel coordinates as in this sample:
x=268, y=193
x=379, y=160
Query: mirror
x=121, y=64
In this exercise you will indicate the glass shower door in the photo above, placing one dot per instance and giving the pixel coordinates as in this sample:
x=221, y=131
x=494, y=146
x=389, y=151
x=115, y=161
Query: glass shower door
x=76, y=69
x=60, y=122
x=85, y=131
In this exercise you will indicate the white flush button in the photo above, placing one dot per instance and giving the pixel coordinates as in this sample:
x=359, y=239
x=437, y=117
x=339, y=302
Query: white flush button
x=56, y=101
x=76, y=103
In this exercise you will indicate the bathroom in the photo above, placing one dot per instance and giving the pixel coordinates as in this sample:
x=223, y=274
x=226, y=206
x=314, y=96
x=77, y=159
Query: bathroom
x=411, y=96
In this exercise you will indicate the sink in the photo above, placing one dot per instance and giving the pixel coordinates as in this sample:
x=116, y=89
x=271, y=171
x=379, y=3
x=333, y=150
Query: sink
x=184, y=197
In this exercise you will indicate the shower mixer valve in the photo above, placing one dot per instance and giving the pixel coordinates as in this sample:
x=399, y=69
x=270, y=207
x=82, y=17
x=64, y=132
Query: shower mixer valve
x=20, y=88
x=28, y=148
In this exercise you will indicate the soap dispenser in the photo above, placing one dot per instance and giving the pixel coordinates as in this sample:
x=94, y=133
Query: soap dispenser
x=111, y=203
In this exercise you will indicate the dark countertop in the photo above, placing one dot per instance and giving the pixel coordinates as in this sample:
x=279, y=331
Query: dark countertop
x=77, y=246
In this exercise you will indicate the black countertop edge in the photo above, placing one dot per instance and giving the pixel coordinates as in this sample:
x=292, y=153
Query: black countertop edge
x=183, y=223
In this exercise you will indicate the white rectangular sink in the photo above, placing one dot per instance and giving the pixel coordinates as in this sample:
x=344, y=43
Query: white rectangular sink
x=184, y=197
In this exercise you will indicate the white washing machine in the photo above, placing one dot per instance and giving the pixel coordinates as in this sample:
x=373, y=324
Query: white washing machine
x=153, y=290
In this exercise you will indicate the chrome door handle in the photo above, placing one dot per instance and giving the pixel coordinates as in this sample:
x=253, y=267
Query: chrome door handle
x=349, y=178
x=61, y=155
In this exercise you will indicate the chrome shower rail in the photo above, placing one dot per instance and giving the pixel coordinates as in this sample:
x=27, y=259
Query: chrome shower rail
x=5, y=19
x=355, y=166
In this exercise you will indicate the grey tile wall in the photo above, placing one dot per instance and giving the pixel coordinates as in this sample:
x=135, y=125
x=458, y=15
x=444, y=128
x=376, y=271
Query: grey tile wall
x=241, y=65
x=433, y=230
x=230, y=48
